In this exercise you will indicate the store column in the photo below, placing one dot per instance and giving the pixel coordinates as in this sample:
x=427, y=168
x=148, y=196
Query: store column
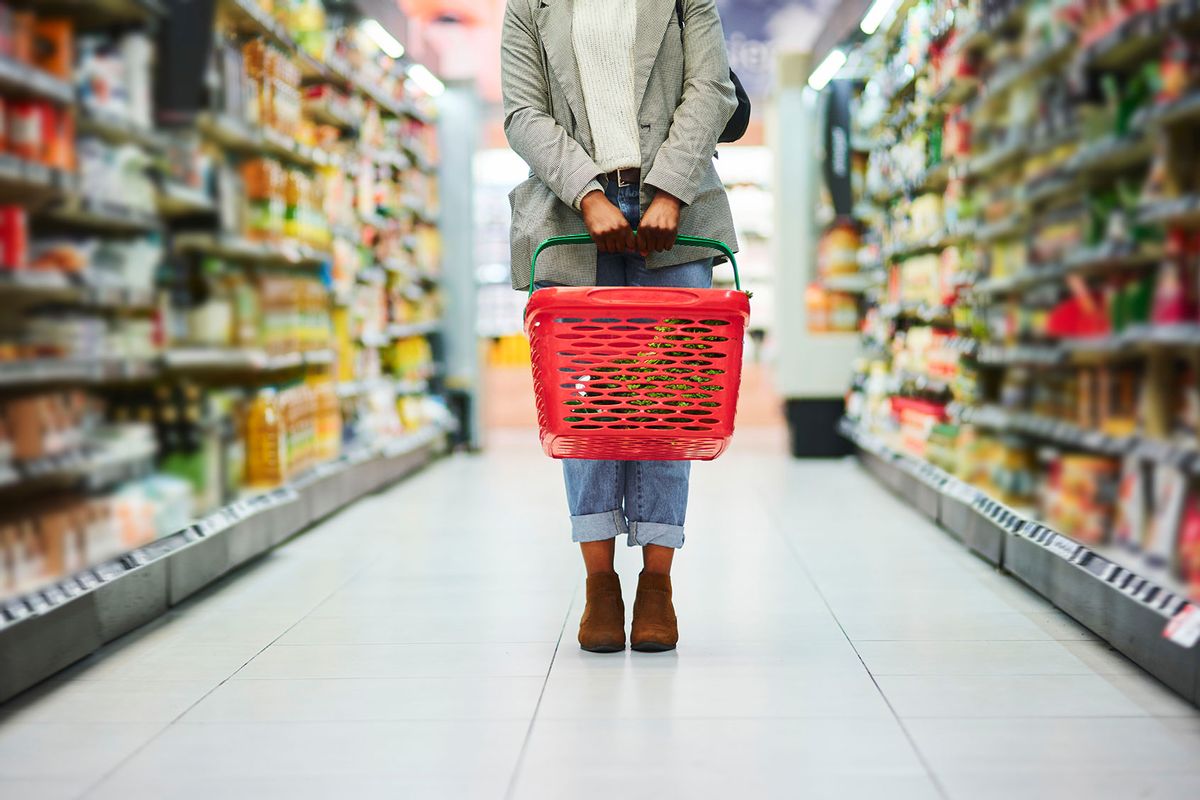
x=814, y=370
x=458, y=110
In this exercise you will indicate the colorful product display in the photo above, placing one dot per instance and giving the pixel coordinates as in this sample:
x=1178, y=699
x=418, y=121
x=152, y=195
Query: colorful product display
x=205, y=303
x=1032, y=192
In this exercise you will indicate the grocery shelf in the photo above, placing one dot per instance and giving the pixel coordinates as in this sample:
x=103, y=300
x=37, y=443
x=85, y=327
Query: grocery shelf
x=336, y=69
x=1028, y=354
x=21, y=79
x=407, y=330
x=1112, y=596
x=1072, y=436
x=49, y=371
x=325, y=113
x=94, y=14
x=249, y=17
x=238, y=248
x=992, y=160
x=930, y=244
x=29, y=182
x=100, y=216
x=1008, y=77
x=116, y=129
x=1051, y=187
x=21, y=373
x=351, y=389
x=1183, y=212
x=44, y=286
x=94, y=469
x=229, y=359
x=240, y=137
x=857, y=283
x=919, y=311
x=1185, y=109
x=412, y=387
x=49, y=286
x=1140, y=36
x=1006, y=228
x=1113, y=153
x=48, y=630
x=1048, y=429
x=178, y=200
x=957, y=90
x=1108, y=257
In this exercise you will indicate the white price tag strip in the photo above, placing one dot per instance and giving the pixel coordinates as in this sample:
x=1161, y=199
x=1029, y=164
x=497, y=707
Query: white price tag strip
x=1184, y=627
x=1064, y=548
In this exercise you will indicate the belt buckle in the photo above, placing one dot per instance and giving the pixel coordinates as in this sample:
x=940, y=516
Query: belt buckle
x=621, y=182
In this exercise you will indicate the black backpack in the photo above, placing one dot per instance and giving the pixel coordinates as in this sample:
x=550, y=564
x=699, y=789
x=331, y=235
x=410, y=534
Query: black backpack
x=740, y=121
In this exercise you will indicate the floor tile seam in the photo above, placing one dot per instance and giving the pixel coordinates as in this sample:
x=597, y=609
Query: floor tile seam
x=510, y=790
x=581, y=718
x=758, y=718
x=990, y=641
x=1091, y=768
x=419, y=676
x=792, y=546
x=458, y=721
x=1088, y=674
x=417, y=644
x=99, y=782
x=391, y=678
x=1040, y=718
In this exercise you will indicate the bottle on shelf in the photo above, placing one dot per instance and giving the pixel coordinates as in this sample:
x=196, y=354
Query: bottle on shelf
x=266, y=454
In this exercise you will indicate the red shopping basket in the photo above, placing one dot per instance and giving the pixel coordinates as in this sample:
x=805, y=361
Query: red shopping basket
x=636, y=373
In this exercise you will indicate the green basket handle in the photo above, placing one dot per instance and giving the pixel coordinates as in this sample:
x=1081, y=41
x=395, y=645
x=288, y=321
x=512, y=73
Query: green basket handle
x=583, y=238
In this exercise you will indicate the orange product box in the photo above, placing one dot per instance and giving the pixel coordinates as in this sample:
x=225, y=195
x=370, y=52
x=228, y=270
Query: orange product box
x=54, y=46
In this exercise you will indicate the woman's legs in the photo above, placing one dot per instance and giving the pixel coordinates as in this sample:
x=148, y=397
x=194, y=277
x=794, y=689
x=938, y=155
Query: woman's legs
x=645, y=499
x=656, y=559
x=598, y=556
x=656, y=492
x=596, y=498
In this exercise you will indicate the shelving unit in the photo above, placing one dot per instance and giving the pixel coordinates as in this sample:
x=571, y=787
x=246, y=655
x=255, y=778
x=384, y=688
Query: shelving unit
x=152, y=293
x=1024, y=183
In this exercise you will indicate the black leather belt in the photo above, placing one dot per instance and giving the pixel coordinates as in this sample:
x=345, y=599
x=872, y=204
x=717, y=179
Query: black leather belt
x=631, y=176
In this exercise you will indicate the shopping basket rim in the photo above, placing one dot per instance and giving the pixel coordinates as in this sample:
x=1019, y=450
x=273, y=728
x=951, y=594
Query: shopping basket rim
x=585, y=300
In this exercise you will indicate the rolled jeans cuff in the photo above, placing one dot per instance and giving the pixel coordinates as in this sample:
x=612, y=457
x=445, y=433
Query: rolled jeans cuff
x=598, y=527
x=644, y=533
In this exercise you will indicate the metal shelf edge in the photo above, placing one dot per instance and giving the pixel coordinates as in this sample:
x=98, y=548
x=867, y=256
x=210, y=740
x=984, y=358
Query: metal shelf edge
x=1127, y=610
x=146, y=582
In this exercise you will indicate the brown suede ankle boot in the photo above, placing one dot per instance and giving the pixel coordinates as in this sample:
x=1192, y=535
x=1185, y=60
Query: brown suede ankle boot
x=602, y=629
x=655, y=628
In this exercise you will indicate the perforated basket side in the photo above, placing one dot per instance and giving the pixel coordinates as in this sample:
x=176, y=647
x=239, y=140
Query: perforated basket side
x=659, y=382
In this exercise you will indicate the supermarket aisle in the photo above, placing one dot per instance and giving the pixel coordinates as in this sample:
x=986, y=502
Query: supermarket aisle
x=420, y=645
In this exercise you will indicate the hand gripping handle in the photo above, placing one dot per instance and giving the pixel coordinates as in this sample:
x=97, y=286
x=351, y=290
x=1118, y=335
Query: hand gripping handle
x=583, y=238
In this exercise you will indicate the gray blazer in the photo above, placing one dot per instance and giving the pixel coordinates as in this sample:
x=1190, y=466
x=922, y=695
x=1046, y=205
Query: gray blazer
x=685, y=99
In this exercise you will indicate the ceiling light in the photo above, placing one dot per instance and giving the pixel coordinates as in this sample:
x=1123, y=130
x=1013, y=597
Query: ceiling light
x=378, y=34
x=875, y=14
x=422, y=77
x=826, y=70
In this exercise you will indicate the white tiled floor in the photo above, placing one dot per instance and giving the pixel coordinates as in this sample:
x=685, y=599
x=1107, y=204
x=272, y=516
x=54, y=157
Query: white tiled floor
x=421, y=645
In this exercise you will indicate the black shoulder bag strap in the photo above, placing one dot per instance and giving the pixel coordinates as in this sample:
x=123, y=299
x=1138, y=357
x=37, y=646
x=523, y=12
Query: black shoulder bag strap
x=740, y=120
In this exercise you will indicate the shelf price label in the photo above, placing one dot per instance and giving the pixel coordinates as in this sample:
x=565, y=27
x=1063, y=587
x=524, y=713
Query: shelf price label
x=15, y=611
x=1064, y=548
x=1184, y=627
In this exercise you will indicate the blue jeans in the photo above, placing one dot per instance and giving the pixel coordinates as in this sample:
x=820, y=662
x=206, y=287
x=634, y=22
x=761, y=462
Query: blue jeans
x=645, y=499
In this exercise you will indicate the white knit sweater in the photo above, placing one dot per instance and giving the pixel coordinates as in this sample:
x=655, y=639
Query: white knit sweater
x=603, y=34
